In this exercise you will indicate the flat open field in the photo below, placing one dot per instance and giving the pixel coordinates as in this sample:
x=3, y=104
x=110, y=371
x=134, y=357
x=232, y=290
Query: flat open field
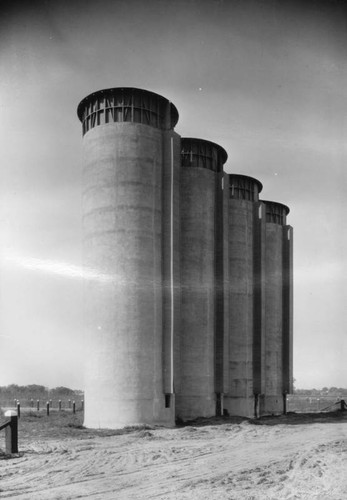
x=288, y=457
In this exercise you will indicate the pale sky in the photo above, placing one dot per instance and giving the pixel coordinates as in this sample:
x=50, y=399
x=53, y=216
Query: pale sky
x=265, y=79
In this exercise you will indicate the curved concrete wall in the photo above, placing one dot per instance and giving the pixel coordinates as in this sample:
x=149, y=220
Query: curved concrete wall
x=200, y=180
x=241, y=307
x=122, y=205
x=273, y=319
x=241, y=219
x=188, y=308
x=274, y=307
x=195, y=396
x=287, y=309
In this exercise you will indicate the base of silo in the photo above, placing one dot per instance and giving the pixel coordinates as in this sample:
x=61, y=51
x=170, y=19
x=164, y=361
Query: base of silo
x=272, y=405
x=191, y=407
x=241, y=407
x=120, y=414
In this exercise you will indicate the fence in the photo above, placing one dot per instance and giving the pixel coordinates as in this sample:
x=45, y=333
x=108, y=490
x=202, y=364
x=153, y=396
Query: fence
x=11, y=425
x=37, y=405
x=310, y=404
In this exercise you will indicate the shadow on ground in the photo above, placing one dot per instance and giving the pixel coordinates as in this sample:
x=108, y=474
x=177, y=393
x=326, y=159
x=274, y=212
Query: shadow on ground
x=291, y=418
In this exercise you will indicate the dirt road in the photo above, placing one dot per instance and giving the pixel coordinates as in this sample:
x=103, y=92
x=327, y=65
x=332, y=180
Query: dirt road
x=227, y=461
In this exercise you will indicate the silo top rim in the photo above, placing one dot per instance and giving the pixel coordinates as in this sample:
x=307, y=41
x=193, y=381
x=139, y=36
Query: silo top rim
x=224, y=154
x=277, y=204
x=240, y=176
x=100, y=93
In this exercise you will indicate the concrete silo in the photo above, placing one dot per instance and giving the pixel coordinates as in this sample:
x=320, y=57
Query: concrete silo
x=243, y=234
x=200, y=207
x=130, y=208
x=278, y=307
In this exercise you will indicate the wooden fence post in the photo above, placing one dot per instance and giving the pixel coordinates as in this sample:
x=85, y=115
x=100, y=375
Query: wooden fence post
x=11, y=432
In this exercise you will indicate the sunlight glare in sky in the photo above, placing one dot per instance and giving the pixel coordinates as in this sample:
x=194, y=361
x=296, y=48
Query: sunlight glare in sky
x=62, y=269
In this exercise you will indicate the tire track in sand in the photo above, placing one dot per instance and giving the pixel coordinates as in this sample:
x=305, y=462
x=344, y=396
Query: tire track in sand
x=209, y=462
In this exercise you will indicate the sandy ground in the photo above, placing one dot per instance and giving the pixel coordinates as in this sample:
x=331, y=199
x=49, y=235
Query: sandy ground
x=293, y=457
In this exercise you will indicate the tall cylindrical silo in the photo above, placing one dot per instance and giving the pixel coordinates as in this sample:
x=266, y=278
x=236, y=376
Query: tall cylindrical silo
x=243, y=294
x=200, y=206
x=130, y=179
x=278, y=308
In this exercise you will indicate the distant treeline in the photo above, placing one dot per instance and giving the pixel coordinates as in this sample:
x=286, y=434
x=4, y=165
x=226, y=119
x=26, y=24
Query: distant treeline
x=326, y=391
x=28, y=392
x=25, y=393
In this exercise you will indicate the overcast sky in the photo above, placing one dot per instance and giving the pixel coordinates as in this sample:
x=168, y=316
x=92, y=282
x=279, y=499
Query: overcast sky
x=265, y=79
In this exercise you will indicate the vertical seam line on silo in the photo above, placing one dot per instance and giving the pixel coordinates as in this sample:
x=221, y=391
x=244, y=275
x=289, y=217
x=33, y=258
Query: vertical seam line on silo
x=172, y=266
x=153, y=282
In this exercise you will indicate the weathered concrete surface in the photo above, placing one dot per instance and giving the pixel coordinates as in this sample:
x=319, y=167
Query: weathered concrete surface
x=122, y=205
x=195, y=394
x=239, y=400
x=220, y=344
x=287, y=309
x=244, y=308
x=189, y=277
x=259, y=236
x=273, y=402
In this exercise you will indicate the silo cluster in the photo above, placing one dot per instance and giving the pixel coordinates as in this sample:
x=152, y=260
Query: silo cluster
x=188, y=305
